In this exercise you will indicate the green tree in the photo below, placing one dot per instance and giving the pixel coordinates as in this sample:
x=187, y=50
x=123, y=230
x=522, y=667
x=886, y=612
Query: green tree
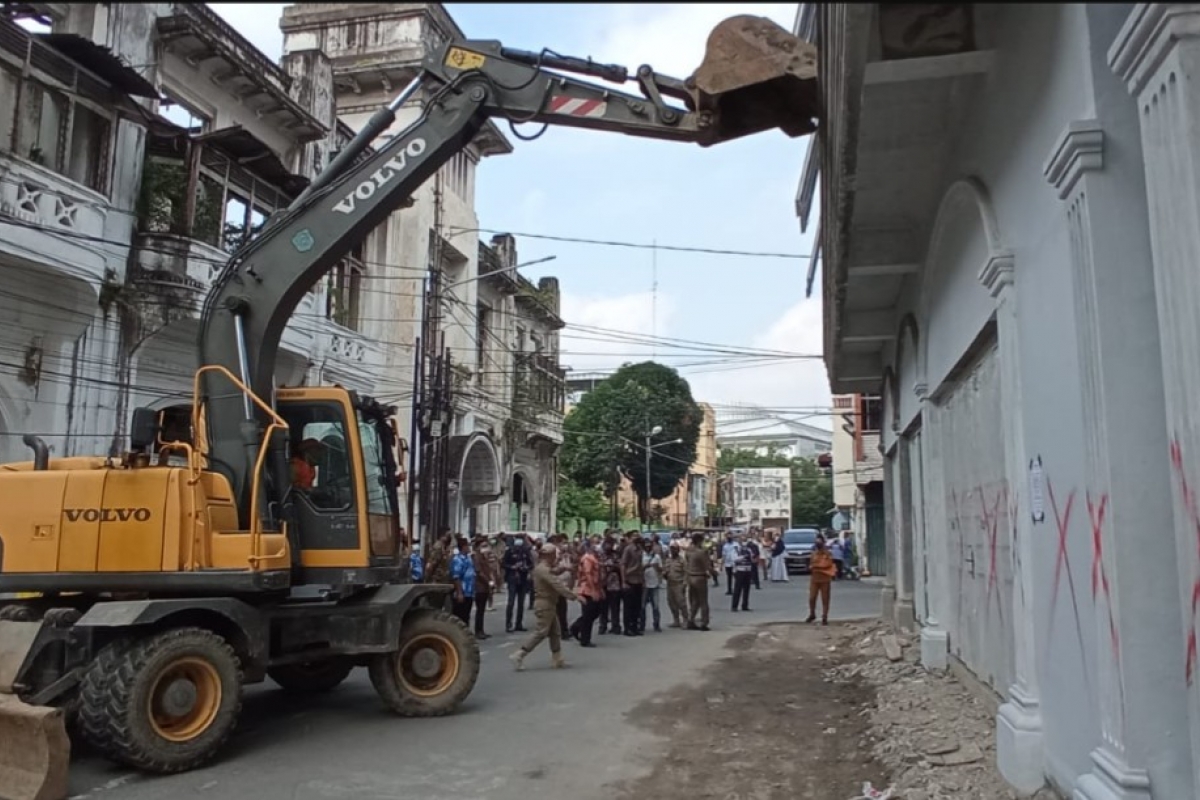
x=581, y=502
x=812, y=489
x=604, y=436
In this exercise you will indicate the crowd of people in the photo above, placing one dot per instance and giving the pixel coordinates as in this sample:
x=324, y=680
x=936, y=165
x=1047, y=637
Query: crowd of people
x=620, y=580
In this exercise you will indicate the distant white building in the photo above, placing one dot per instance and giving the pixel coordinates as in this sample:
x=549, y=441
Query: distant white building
x=765, y=430
x=760, y=498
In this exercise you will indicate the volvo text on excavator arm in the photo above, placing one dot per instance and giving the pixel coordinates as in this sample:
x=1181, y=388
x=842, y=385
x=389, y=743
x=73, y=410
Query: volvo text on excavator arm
x=755, y=77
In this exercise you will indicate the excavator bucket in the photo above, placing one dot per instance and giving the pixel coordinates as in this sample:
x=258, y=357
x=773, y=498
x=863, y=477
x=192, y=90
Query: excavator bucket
x=756, y=76
x=35, y=752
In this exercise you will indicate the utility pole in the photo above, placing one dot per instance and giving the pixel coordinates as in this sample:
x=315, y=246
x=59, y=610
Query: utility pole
x=432, y=402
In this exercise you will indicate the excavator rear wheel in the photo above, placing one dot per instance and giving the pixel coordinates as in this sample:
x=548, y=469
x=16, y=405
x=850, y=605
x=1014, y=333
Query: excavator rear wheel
x=165, y=703
x=312, y=678
x=433, y=669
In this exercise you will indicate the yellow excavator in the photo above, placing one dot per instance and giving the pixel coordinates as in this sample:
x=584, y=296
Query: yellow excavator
x=152, y=587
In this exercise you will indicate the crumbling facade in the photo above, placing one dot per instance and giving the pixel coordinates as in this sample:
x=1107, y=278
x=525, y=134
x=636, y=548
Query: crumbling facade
x=506, y=422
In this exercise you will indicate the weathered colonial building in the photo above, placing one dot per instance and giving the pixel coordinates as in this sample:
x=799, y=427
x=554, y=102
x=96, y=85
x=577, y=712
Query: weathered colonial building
x=858, y=476
x=123, y=192
x=503, y=473
x=1009, y=202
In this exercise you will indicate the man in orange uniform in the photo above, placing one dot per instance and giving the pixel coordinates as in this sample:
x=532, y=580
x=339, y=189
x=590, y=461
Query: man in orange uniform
x=823, y=570
x=304, y=474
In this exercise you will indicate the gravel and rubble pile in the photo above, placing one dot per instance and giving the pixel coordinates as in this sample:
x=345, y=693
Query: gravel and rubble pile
x=934, y=735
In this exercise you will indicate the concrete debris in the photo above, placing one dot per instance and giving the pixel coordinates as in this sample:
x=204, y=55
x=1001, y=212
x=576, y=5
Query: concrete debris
x=934, y=736
x=869, y=792
x=891, y=647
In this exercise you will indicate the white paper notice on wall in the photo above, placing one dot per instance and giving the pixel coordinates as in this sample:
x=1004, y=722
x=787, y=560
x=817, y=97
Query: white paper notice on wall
x=1037, y=503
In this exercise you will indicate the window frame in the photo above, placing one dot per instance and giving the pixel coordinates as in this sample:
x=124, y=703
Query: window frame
x=31, y=72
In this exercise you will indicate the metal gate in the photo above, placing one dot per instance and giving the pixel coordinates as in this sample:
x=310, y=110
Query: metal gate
x=967, y=424
x=876, y=539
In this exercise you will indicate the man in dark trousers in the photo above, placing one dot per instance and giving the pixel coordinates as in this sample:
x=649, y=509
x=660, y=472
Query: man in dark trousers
x=633, y=579
x=700, y=568
x=743, y=573
x=610, y=563
x=756, y=559
x=589, y=585
x=517, y=566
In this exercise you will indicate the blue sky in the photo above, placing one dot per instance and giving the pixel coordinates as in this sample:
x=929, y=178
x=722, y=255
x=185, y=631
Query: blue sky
x=738, y=195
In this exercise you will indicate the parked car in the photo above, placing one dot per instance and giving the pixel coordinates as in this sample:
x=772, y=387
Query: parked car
x=798, y=545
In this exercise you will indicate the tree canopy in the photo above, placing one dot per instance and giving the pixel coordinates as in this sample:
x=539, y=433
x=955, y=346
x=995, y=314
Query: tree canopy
x=812, y=489
x=581, y=502
x=604, y=437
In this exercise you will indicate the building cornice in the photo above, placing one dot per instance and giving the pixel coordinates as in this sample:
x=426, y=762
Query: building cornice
x=1079, y=149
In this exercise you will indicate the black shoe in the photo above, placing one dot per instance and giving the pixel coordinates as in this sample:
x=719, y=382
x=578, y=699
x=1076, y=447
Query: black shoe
x=692, y=627
x=586, y=644
x=747, y=609
x=729, y=594
x=630, y=633
x=657, y=629
x=508, y=628
x=520, y=629
x=704, y=627
x=734, y=610
x=824, y=622
x=811, y=618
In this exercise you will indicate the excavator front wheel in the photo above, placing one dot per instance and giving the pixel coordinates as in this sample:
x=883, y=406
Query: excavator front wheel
x=433, y=669
x=165, y=703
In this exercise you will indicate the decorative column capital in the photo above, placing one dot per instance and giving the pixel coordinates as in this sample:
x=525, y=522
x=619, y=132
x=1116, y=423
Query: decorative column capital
x=921, y=390
x=1079, y=149
x=997, y=273
x=1146, y=39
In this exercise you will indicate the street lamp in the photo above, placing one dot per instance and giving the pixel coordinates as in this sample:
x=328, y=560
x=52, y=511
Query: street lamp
x=655, y=431
x=500, y=271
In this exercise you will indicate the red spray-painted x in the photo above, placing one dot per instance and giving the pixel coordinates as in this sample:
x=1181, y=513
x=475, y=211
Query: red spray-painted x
x=991, y=519
x=1062, y=562
x=1189, y=506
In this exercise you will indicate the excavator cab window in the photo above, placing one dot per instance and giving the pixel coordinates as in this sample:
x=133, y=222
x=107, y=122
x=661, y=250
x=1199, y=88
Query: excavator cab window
x=324, y=478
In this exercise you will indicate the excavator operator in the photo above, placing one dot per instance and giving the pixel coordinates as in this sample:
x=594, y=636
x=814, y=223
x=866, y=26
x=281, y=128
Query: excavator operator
x=304, y=473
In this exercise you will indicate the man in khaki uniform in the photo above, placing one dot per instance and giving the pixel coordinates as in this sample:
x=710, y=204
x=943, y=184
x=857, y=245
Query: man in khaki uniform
x=675, y=571
x=700, y=570
x=547, y=589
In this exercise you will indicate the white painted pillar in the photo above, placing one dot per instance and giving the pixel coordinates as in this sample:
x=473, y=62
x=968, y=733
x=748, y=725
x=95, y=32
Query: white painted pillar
x=935, y=640
x=1019, y=738
x=1127, y=471
x=1157, y=55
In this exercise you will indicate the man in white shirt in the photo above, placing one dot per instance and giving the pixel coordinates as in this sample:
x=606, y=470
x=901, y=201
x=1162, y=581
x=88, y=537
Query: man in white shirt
x=729, y=554
x=653, y=565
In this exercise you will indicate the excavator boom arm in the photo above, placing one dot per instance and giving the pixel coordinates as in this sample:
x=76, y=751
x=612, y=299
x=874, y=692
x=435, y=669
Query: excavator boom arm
x=256, y=293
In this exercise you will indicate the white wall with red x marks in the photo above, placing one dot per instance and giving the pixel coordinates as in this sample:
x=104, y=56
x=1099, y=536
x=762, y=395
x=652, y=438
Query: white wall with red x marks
x=1043, y=452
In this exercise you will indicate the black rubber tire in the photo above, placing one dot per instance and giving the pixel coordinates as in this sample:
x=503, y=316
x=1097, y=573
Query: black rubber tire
x=114, y=699
x=385, y=673
x=314, y=678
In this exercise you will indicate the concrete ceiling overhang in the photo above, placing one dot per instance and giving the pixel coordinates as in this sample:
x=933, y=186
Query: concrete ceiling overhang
x=890, y=129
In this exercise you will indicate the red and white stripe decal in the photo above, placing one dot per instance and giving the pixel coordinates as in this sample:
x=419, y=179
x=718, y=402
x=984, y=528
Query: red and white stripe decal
x=576, y=107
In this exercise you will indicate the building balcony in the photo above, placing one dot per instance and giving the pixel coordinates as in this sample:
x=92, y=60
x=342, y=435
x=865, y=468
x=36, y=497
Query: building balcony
x=344, y=356
x=539, y=395
x=56, y=222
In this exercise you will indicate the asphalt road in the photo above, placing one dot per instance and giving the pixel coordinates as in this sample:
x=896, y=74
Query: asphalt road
x=518, y=736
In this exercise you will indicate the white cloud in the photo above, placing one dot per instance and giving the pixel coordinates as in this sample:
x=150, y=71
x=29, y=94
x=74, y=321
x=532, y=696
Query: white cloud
x=630, y=313
x=671, y=37
x=258, y=22
x=780, y=384
x=783, y=384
